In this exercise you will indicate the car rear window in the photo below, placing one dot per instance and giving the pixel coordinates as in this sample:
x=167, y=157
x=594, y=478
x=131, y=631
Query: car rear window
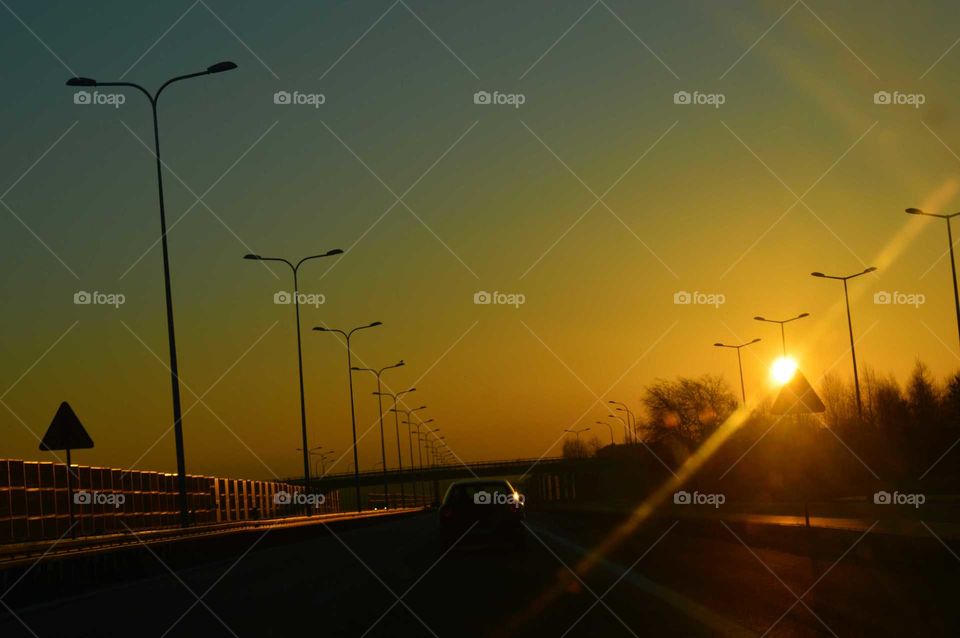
x=465, y=492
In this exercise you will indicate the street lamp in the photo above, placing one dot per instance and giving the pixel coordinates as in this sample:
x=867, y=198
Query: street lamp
x=631, y=421
x=626, y=432
x=296, y=305
x=416, y=485
x=323, y=461
x=174, y=375
x=396, y=423
x=783, y=339
x=353, y=415
x=743, y=392
x=428, y=443
x=953, y=265
x=612, y=442
x=577, y=432
x=853, y=351
x=383, y=447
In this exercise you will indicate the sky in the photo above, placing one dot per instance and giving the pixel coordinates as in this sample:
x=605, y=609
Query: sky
x=629, y=153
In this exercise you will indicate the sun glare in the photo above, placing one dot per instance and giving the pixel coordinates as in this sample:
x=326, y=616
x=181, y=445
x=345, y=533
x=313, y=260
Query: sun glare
x=783, y=370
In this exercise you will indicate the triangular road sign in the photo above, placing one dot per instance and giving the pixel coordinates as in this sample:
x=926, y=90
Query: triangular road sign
x=797, y=397
x=65, y=432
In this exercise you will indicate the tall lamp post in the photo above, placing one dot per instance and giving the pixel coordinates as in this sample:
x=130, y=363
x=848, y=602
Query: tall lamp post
x=396, y=423
x=323, y=462
x=953, y=264
x=383, y=446
x=612, y=442
x=420, y=440
x=219, y=67
x=631, y=422
x=410, y=424
x=353, y=415
x=296, y=304
x=853, y=350
x=743, y=392
x=314, y=451
x=783, y=339
x=578, y=433
x=626, y=432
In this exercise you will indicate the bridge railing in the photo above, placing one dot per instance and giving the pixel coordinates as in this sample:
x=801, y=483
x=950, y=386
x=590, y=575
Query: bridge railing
x=34, y=502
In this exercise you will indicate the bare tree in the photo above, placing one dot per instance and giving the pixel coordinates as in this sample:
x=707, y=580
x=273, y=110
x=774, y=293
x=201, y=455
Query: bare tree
x=688, y=408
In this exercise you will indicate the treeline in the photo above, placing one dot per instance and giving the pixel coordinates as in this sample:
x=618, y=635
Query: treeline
x=907, y=438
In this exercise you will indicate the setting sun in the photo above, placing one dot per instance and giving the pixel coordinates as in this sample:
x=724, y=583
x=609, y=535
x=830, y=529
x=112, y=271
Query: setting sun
x=783, y=370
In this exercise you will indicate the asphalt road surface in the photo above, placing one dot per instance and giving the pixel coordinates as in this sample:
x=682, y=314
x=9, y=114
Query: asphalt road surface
x=390, y=580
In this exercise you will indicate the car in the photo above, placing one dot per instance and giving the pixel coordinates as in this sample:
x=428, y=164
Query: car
x=485, y=510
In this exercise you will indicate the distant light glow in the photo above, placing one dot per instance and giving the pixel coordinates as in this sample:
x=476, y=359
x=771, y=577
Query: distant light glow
x=783, y=370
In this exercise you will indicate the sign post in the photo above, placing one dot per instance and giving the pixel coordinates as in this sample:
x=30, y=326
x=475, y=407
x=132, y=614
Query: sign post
x=798, y=397
x=66, y=433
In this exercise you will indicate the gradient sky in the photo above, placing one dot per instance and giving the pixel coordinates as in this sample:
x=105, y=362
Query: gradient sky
x=700, y=199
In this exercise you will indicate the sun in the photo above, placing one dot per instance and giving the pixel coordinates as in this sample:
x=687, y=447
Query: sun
x=783, y=370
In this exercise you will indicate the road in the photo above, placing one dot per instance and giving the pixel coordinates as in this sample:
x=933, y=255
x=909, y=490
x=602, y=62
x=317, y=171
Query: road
x=390, y=580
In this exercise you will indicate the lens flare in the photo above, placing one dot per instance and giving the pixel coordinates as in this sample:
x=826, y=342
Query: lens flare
x=783, y=370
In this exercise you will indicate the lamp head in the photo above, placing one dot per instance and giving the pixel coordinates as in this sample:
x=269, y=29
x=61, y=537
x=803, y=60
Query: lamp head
x=220, y=67
x=81, y=82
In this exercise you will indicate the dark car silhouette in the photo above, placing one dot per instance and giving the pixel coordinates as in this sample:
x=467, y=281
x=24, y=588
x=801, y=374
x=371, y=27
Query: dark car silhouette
x=489, y=510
